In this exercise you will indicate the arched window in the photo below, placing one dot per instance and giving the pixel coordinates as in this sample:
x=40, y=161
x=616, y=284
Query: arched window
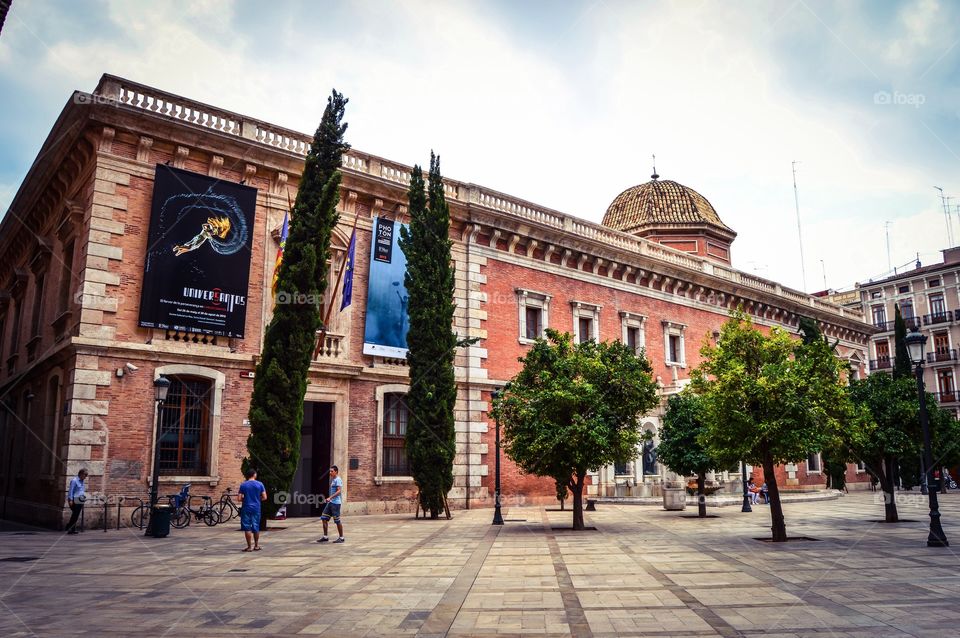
x=185, y=420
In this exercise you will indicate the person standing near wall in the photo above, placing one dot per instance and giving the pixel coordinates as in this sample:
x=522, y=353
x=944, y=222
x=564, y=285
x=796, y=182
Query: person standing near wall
x=75, y=498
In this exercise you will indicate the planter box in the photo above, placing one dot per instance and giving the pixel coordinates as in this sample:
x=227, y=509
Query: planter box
x=674, y=498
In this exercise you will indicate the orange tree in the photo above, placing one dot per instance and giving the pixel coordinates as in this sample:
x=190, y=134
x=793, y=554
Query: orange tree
x=575, y=408
x=770, y=399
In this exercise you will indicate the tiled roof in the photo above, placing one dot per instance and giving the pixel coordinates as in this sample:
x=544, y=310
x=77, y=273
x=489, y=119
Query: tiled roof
x=660, y=202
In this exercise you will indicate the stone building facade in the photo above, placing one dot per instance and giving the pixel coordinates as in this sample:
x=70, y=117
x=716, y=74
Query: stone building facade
x=929, y=299
x=77, y=372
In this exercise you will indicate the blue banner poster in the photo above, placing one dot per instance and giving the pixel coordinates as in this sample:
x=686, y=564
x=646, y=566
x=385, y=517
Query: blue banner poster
x=385, y=330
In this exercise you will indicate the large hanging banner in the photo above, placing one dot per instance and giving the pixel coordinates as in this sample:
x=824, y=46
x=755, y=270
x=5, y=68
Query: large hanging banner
x=385, y=330
x=197, y=268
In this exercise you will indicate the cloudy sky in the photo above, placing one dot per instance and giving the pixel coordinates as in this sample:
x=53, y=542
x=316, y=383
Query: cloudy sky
x=563, y=103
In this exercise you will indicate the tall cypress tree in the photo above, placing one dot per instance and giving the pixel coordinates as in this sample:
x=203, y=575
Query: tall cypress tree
x=430, y=440
x=276, y=408
x=901, y=363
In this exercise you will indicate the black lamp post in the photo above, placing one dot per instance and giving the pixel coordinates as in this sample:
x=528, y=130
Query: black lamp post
x=915, y=342
x=497, y=515
x=746, y=495
x=160, y=386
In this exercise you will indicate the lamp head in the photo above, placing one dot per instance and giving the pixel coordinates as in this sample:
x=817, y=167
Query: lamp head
x=161, y=385
x=915, y=343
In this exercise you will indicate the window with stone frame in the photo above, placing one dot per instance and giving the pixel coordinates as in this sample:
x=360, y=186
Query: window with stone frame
x=673, y=344
x=938, y=307
x=904, y=289
x=66, y=277
x=185, y=424
x=14, y=343
x=879, y=316
x=586, y=321
x=534, y=314
x=633, y=333
x=37, y=317
x=813, y=463
x=395, y=417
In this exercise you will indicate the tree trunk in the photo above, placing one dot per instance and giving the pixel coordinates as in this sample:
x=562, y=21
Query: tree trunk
x=701, y=498
x=778, y=526
x=890, y=514
x=577, y=489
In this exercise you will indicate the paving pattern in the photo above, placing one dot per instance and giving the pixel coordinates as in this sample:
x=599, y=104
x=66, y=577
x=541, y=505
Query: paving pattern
x=643, y=572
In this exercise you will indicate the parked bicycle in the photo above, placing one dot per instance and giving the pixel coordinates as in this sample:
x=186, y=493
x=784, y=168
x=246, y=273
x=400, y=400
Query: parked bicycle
x=226, y=508
x=181, y=515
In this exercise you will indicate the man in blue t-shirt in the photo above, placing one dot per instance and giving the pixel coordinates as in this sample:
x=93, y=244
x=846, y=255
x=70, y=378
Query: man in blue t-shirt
x=75, y=498
x=251, y=493
x=332, y=508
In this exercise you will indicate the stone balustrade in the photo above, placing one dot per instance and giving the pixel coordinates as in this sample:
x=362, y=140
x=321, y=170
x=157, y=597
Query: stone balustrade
x=186, y=110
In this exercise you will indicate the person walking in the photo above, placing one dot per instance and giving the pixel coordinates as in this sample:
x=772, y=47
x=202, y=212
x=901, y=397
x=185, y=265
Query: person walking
x=251, y=492
x=332, y=507
x=75, y=498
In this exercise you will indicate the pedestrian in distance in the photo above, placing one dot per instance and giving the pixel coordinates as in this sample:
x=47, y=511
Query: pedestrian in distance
x=332, y=507
x=251, y=492
x=76, y=496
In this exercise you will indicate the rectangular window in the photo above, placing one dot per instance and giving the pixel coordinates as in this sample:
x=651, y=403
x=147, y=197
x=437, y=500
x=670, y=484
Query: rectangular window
x=37, y=305
x=534, y=321
x=883, y=350
x=813, y=462
x=945, y=386
x=585, y=327
x=620, y=467
x=66, y=279
x=875, y=294
x=395, y=416
x=879, y=316
x=15, y=332
x=933, y=283
x=674, y=353
x=906, y=309
x=185, y=427
x=937, y=305
x=633, y=338
x=904, y=289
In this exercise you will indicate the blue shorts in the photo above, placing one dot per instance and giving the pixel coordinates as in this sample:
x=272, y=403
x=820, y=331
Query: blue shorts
x=250, y=520
x=331, y=510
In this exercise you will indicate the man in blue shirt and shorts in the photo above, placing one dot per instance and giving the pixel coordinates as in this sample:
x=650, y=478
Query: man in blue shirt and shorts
x=251, y=493
x=332, y=508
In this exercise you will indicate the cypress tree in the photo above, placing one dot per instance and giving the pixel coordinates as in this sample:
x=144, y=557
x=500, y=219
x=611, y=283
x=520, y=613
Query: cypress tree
x=276, y=408
x=901, y=363
x=430, y=441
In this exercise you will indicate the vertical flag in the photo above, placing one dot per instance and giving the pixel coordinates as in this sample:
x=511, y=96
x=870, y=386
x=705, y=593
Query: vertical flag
x=283, y=244
x=348, y=284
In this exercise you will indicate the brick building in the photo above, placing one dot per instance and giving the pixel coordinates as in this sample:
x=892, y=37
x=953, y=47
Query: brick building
x=929, y=300
x=77, y=369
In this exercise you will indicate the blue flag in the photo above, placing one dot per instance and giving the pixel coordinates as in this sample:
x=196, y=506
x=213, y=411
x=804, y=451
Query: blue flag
x=348, y=283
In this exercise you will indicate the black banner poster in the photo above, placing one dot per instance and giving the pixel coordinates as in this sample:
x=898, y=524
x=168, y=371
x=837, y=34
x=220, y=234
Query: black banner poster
x=197, y=268
x=383, y=240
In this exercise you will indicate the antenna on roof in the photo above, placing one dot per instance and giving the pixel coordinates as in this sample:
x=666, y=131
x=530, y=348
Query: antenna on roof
x=886, y=227
x=946, y=213
x=796, y=201
x=654, y=176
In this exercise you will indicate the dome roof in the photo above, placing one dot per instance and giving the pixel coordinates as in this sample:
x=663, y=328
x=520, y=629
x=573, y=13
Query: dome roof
x=661, y=203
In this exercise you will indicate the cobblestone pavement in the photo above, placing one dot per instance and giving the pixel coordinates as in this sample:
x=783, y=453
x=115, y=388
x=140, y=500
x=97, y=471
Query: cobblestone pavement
x=643, y=572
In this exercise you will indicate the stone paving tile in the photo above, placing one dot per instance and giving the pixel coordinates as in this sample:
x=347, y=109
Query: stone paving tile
x=643, y=572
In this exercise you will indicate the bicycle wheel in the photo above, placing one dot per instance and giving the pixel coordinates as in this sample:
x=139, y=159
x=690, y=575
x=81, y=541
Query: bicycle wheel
x=140, y=516
x=180, y=518
x=224, y=510
x=210, y=516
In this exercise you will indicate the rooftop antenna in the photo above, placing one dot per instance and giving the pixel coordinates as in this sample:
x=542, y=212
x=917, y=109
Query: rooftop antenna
x=886, y=227
x=796, y=201
x=823, y=266
x=654, y=176
x=946, y=213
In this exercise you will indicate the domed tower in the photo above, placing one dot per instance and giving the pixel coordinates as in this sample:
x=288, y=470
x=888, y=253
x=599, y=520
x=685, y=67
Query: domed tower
x=673, y=215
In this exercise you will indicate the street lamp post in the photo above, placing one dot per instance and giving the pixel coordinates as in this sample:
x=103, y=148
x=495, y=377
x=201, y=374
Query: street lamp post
x=497, y=515
x=160, y=386
x=746, y=495
x=915, y=342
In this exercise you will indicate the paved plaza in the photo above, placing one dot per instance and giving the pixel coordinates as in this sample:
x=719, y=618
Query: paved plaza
x=642, y=572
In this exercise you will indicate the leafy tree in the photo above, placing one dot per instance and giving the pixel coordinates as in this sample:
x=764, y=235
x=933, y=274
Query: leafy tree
x=431, y=341
x=902, y=367
x=894, y=433
x=562, y=491
x=769, y=400
x=681, y=442
x=575, y=408
x=276, y=407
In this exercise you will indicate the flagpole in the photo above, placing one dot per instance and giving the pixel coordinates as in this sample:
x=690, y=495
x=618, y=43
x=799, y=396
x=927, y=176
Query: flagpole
x=343, y=268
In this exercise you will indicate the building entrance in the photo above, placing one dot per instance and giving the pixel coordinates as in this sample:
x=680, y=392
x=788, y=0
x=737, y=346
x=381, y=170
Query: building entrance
x=316, y=453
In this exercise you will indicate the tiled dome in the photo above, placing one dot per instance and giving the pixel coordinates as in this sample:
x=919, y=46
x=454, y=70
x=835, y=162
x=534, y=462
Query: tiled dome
x=661, y=203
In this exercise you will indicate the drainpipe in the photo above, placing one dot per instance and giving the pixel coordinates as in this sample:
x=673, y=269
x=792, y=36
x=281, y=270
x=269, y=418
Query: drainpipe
x=466, y=310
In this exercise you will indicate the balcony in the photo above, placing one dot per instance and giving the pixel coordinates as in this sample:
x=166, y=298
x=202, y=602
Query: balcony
x=937, y=317
x=947, y=397
x=941, y=356
x=884, y=363
x=889, y=326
